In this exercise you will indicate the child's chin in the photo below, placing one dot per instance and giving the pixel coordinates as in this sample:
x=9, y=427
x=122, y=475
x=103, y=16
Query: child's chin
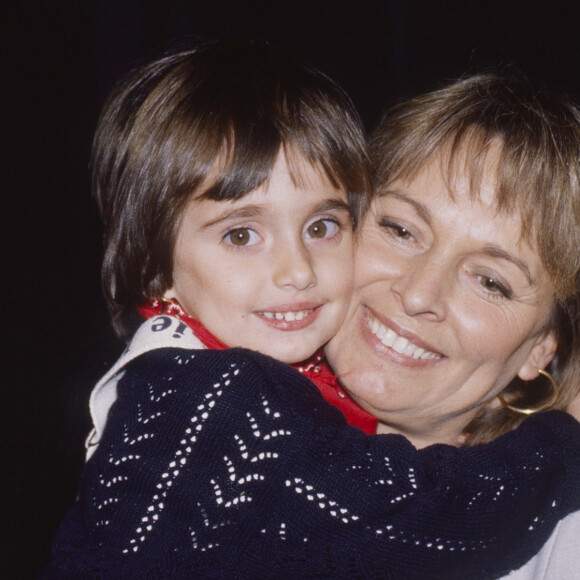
x=293, y=358
x=292, y=350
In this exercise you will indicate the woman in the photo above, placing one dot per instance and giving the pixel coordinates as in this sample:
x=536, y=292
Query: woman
x=470, y=254
x=266, y=479
x=468, y=272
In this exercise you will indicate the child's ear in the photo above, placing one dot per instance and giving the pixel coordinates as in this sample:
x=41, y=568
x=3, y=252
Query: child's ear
x=540, y=356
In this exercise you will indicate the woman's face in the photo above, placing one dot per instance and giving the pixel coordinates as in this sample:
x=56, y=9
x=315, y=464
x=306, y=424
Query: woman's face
x=450, y=304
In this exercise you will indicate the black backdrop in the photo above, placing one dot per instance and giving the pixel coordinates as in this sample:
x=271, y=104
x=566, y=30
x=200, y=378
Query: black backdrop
x=59, y=60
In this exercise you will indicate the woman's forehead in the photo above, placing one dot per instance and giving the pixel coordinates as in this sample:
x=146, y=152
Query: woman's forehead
x=440, y=181
x=470, y=168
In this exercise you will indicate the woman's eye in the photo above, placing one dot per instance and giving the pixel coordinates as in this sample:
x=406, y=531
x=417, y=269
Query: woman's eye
x=242, y=237
x=396, y=229
x=322, y=229
x=493, y=286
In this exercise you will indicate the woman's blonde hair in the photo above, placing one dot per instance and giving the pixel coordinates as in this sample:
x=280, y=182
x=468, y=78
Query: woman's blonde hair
x=538, y=177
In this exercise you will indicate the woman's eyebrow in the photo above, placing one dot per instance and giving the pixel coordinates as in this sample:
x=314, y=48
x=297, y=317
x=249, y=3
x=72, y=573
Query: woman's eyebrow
x=498, y=252
x=492, y=250
x=421, y=209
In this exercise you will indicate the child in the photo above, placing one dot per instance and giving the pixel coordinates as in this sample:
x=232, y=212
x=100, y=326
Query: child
x=231, y=140
x=230, y=178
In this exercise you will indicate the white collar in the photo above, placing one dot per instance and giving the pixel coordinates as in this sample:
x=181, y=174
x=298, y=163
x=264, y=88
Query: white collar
x=158, y=332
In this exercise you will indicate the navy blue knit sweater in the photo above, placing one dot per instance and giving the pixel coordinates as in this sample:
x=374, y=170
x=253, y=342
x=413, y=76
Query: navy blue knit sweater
x=231, y=465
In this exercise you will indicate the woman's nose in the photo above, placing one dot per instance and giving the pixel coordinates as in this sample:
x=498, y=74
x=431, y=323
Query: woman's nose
x=422, y=288
x=293, y=266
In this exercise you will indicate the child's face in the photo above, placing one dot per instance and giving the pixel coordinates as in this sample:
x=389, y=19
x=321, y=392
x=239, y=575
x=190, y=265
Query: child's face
x=271, y=271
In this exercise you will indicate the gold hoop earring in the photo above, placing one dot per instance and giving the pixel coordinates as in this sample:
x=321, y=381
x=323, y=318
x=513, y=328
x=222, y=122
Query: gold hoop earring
x=543, y=407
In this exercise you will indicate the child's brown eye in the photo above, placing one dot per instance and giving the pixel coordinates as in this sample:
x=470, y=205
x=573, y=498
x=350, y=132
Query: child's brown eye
x=322, y=229
x=317, y=229
x=241, y=237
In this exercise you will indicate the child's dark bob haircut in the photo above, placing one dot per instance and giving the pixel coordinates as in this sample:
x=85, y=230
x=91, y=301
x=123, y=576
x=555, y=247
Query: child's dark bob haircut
x=208, y=121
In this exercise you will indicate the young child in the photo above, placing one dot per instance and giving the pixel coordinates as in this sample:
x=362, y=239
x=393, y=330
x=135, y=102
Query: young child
x=230, y=178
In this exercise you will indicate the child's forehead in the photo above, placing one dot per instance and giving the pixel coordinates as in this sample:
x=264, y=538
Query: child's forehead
x=279, y=202
x=289, y=164
x=303, y=172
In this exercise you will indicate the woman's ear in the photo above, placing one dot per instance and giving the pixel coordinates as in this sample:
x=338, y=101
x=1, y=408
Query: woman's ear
x=540, y=356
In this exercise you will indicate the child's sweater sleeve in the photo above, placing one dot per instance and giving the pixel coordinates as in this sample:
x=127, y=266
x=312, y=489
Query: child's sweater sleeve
x=231, y=465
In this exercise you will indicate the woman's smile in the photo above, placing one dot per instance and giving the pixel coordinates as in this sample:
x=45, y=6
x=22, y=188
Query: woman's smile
x=401, y=341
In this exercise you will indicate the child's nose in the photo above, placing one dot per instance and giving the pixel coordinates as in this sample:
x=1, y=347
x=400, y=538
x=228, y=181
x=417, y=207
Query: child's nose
x=293, y=267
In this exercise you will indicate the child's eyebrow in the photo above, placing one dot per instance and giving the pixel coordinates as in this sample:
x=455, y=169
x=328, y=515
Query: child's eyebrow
x=248, y=211
x=332, y=204
x=252, y=211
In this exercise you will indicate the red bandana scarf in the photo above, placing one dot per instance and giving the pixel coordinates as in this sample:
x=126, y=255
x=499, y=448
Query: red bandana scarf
x=314, y=368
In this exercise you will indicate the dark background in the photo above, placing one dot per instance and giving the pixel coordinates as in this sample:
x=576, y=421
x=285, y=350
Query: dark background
x=59, y=60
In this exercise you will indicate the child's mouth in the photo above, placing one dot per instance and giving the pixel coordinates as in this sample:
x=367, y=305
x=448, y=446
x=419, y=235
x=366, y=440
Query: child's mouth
x=289, y=316
x=291, y=319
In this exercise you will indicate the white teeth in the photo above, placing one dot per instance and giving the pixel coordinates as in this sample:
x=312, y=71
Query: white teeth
x=287, y=316
x=399, y=344
x=418, y=352
x=389, y=337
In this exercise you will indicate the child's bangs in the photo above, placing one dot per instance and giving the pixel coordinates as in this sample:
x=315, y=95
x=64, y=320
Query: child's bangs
x=342, y=162
x=246, y=160
x=244, y=163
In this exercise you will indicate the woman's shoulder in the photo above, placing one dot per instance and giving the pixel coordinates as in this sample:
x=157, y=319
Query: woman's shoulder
x=559, y=558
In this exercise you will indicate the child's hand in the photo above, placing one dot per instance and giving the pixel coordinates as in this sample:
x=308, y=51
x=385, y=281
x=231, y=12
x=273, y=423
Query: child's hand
x=574, y=408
